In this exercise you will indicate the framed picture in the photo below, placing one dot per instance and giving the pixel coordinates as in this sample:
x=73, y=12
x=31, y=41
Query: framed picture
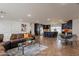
x=23, y=27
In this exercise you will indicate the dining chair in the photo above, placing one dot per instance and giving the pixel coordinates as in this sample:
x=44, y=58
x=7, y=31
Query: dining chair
x=60, y=38
x=73, y=40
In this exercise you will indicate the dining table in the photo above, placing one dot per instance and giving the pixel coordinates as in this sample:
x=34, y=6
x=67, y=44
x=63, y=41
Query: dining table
x=66, y=38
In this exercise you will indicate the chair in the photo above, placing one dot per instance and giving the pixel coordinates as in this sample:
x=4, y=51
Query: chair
x=73, y=39
x=55, y=34
x=59, y=37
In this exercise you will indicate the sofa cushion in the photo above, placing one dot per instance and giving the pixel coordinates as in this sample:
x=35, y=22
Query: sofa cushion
x=13, y=37
x=25, y=35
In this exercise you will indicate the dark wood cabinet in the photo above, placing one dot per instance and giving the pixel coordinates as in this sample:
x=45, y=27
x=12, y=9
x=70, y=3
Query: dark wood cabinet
x=46, y=26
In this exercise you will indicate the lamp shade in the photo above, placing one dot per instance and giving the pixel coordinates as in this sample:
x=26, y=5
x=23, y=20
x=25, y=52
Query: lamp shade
x=66, y=30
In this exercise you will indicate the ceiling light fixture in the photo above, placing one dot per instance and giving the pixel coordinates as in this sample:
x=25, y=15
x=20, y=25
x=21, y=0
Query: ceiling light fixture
x=2, y=16
x=48, y=19
x=2, y=13
x=29, y=15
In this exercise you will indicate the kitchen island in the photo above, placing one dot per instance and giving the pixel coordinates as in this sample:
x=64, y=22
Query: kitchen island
x=50, y=34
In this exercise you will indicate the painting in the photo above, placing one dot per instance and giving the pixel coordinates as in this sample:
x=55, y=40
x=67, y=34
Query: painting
x=23, y=27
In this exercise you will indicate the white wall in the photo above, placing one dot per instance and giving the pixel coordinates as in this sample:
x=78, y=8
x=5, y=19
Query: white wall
x=32, y=29
x=9, y=27
x=75, y=28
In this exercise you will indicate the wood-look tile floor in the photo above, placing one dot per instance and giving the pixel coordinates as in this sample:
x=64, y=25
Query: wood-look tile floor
x=55, y=48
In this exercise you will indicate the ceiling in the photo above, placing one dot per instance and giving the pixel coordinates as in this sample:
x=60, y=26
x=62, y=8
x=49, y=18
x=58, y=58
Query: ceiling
x=39, y=12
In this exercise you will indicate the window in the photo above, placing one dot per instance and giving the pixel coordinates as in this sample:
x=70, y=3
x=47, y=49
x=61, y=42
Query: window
x=56, y=28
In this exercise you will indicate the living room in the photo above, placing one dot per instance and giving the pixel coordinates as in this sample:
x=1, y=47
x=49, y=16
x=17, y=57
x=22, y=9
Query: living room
x=31, y=29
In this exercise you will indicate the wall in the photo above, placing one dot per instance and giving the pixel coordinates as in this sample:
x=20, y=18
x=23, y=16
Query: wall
x=75, y=27
x=9, y=27
x=32, y=29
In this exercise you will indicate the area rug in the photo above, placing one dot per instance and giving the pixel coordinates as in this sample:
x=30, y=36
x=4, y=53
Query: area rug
x=31, y=50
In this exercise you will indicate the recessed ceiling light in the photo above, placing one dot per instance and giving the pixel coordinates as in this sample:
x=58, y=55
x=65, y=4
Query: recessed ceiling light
x=48, y=19
x=2, y=16
x=29, y=15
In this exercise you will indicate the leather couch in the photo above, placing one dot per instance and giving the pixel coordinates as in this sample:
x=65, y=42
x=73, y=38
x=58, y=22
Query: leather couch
x=1, y=37
x=12, y=44
x=14, y=40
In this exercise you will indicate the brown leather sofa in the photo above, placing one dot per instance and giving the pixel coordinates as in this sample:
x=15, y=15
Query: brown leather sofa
x=13, y=43
x=1, y=37
x=14, y=40
x=17, y=36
